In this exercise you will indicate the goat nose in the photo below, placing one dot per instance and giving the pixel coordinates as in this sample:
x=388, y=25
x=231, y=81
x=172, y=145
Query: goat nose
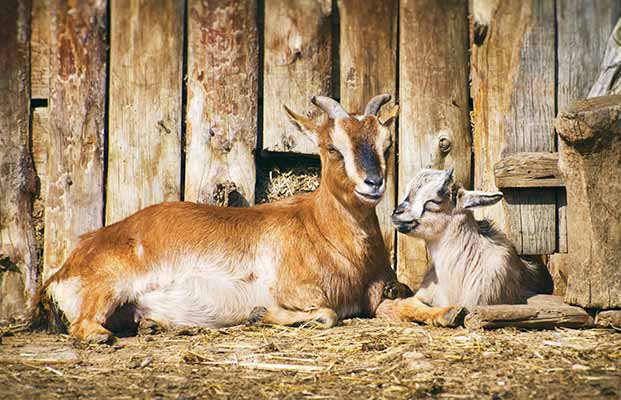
x=375, y=181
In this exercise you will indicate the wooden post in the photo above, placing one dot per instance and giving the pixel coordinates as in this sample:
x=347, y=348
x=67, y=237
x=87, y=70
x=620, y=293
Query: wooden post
x=298, y=65
x=433, y=94
x=590, y=160
x=74, y=201
x=513, y=66
x=40, y=50
x=18, y=257
x=144, y=156
x=368, y=58
x=221, y=122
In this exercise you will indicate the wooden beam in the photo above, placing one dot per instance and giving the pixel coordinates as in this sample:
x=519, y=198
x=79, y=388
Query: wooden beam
x=368, y=32
x=298, y=65
x=513, y=89
x=18, y=256
x=433, y=96
x=75, y=165
x=40, y=50
x=222, y=96
x=541, y=312
x=528, y=170
x=144, y=156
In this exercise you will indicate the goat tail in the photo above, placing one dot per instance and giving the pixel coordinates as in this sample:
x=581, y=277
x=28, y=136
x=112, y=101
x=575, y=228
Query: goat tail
x=44, y=314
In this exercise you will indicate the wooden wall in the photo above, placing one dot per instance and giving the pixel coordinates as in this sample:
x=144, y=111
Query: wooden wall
x=112, y=105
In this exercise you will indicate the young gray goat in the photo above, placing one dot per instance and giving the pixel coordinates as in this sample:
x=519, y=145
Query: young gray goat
x=473, y=263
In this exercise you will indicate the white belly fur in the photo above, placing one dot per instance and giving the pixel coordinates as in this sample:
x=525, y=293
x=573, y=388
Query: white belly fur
x=209, y=291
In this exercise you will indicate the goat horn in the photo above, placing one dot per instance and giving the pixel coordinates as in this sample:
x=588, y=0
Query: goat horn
x=330, y=106
x=376, y=103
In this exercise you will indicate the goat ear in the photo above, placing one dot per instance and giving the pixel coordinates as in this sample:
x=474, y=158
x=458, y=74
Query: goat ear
x=475, y=198
x=388, y=117
x=304, y=124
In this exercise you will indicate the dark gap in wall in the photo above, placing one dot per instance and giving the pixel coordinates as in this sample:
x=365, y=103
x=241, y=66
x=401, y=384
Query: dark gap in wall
x=336, y=45
x=260, y=61
x=38, y=103
x=557, y=193
x=184, y=100
x=470, y=99
x=106, y=115
x=302, y=173
x=396, y=141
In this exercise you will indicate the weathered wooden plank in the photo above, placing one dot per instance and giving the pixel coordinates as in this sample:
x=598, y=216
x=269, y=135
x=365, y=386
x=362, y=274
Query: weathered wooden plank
x=433, y=95
x=298, y=65
x=544, y=313
x=144, y=156
x=513, y=89
x=368, y=32
x=75, y=165
x=222, y=95
x=527, y=170
x=583, y=30
x=590, y=159
x=40, y=50
x=40, y=134
x=18, y=257
x=609, y=319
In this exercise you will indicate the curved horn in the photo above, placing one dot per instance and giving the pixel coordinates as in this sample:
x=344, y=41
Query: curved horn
x=376, y=103
x=331, y=106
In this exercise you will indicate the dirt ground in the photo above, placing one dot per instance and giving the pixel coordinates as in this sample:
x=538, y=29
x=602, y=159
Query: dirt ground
x=360, y=359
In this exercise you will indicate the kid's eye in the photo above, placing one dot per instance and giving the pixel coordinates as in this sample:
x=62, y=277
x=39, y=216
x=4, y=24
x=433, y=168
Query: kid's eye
x=433, y=205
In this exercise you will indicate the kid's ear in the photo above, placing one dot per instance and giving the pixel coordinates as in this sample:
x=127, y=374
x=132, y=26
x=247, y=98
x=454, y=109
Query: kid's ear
x=388, y=117
x=304, y=124
x=475, y=198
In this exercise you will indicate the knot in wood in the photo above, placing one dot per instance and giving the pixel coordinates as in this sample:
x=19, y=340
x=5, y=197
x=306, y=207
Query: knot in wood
x=68, y=181
x=444, y=144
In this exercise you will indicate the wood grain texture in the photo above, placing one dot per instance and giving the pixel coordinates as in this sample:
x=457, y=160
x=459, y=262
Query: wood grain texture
x=590, y=160
x=222, y=95
x=75, y=165
x=513, y=91
x=609, y=319
x=144, y=156
x=583, y=31
x=40, y=50
x=547, y=312
x=527, y=170
x=368, y=33
x=433, y=95
x=18, y=257
x=297, y=65
x=40, y=137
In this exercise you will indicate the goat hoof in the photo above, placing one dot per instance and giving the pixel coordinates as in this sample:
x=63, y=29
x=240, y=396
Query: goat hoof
x=396, y=290
x=453, y=317
x=99, y=338
x=328, y=319
x=148, y=326
x=256, y=315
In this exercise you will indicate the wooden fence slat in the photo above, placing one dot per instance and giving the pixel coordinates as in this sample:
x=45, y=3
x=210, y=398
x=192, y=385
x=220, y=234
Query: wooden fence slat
x=144, y=156
x=433, y=92
x=40, y=137
x=583, y=30
x=298, y=65
x=368, y=59
x=40, y=50
x=18, y=257
x=74, y=203
x=513, y=89
x=221, y=123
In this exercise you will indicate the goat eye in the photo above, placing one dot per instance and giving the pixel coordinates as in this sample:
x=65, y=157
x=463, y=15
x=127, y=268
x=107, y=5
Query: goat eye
x=433, y=205
x=334, y=151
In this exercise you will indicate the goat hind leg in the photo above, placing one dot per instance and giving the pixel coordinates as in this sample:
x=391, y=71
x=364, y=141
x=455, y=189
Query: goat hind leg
x=412, y=309
x=321, y=317
x=96, y=307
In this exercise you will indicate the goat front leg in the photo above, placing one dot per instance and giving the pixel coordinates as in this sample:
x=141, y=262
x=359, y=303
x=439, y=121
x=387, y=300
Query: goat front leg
x=321, y=317
x=412, y=309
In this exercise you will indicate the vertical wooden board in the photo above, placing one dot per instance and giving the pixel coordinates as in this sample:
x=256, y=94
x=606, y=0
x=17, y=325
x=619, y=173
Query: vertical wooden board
x=368, y=59
x=40, y=134
x=513, y=64
x=40, y=50
x=75, y=165
x=297, y=65
x=433, y=95
x=144, y=151
x=583, y=30
x=222, y=95
x=18, y=257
